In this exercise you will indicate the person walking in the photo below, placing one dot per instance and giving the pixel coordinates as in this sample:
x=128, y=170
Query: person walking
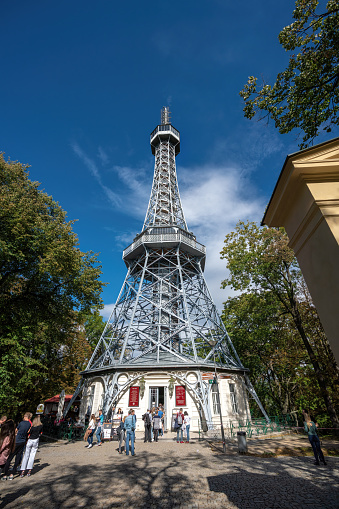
x=91, y=429
x=156, y=425
x=187, y=424
x=7, y=441
x=311, y=429
x=179, y=420
x=121, y=432
x=31, y=446
x=100, y=425
x=129, y=427
x=20, y=442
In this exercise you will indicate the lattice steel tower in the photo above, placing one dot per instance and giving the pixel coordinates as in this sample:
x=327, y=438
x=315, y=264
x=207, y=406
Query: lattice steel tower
x=164, y=316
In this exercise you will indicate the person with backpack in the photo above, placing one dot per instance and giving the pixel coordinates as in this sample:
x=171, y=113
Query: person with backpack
x=179, y=420
x=147, y=418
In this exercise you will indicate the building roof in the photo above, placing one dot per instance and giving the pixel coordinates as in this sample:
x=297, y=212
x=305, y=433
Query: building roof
x=56, y=398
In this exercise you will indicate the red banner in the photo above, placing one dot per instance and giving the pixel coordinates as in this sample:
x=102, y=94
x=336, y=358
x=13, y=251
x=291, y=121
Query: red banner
x=134, y=396
x=180, y=395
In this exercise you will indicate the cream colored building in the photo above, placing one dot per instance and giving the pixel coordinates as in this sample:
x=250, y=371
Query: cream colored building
x=305, y=202
x=156, y=387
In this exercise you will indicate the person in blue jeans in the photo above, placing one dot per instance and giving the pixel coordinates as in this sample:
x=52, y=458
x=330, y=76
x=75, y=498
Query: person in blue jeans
x=130, y=430
x=311, y=429
x=187, y=423
x=179, y=421
x=99, y=427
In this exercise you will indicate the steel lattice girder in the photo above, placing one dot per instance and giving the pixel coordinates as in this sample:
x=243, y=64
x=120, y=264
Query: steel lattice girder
x=165, y=307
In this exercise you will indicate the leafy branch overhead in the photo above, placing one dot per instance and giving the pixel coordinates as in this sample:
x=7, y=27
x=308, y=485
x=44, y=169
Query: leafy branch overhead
x=306, y=94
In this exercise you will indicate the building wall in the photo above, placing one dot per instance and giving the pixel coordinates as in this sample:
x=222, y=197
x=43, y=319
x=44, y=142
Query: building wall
x=162, y=380
x=306, y=202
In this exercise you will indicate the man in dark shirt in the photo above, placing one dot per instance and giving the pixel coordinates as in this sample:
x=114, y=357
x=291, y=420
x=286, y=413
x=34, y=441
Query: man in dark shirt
x=20, y=442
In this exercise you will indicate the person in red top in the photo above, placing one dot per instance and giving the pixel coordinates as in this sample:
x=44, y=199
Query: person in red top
x=179, y=421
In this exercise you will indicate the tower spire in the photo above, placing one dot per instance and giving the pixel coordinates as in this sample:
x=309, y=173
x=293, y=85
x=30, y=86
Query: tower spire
x=164, y=207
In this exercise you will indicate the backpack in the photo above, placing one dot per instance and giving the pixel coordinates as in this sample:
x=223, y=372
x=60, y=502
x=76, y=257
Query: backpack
x=147, y=419
x=179, y=419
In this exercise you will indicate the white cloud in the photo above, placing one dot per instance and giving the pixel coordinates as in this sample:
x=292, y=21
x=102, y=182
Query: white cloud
x=113, y=197
x=214, y=199
x=103, y=156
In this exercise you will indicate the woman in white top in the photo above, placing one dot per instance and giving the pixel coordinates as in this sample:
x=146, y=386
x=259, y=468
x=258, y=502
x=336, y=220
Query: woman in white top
x=187, y=423
x=91, y=427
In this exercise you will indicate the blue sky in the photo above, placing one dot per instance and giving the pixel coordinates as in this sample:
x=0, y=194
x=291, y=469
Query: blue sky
x=82, y=87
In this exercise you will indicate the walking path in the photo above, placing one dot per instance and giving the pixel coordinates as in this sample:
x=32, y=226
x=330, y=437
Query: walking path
x=171, y=475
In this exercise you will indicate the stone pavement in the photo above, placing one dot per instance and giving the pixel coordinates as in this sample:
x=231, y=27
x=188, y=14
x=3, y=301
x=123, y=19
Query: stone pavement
x=171, y=475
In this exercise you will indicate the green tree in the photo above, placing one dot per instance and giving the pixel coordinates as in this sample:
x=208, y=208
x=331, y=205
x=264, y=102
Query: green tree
x=260, y=262
x=306, y=94
x=44, y=281
x=269, y=345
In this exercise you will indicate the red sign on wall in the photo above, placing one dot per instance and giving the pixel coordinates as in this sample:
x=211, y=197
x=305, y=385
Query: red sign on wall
x=180, y=395
x=134, y=396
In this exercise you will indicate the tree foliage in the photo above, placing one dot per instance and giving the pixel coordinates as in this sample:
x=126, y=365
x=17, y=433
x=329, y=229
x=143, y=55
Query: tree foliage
x=306, y=94
x=47, y=287
x=274, y=324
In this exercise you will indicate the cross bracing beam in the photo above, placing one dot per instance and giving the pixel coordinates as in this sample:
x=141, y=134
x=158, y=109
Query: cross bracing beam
x=165, y=308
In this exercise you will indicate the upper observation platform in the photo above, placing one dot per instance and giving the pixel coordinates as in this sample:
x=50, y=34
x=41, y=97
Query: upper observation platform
x=165, y=133
x=165, y=237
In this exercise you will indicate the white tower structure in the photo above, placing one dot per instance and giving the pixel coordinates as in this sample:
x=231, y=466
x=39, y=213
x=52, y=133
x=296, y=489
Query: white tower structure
x=164, y=334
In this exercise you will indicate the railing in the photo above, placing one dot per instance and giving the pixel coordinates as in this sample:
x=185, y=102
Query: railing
x=163, y=238
x=253, y=427
x=165, y=128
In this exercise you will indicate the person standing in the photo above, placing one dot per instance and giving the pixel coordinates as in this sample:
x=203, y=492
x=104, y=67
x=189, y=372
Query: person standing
x=121, y=432
x=91, y=429
x=129, y=427
x=20, y=442
x=161, y=415
x=7, y=441
x=148, y=424
x=311, y=429
x=187, y=423
x=31, y=446
x=156, y=425
x=100, y=425
x=179, y=420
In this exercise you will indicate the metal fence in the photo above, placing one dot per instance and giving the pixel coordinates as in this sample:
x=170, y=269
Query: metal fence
x=252, y=427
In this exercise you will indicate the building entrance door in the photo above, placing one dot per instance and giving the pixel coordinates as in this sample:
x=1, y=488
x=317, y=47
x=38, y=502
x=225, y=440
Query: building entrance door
x=156, y=397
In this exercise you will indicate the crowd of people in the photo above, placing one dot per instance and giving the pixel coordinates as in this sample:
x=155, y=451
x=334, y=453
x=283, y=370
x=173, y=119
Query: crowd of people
x=153, y=428
x=19, y=442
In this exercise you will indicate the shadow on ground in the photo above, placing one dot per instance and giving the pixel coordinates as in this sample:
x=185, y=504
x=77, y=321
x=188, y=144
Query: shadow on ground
x=282, y=483
x=153, y=479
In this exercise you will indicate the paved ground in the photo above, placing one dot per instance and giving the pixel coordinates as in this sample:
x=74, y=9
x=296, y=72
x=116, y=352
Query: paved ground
x=171, y=475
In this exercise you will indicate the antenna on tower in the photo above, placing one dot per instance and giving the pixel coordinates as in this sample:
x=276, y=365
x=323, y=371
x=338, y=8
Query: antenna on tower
x=165, y=115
